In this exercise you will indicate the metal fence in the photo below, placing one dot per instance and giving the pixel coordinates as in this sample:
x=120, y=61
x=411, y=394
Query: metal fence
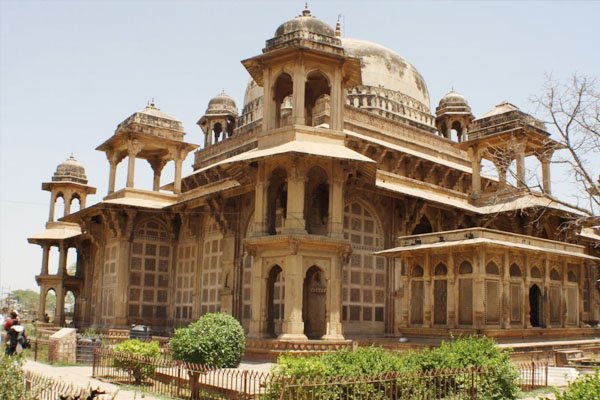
x=43, y=388
x=184, y=380
x=533, y=375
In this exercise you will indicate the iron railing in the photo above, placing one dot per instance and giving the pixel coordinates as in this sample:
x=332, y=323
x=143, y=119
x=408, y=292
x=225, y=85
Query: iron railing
x=40, y=387
x=169, y=377
x=533, y=375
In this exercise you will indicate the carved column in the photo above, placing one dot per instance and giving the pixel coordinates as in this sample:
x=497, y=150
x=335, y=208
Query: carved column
x=59, y=315
x=476, y=167
x=133, y=148
x=293, y=325
x=546, y=182
x=294, y=221
x=521, y=167
x=52, y=206
x=62, y=259
x=268, y=101
x=42, y=303
x=157, y=166
x=336, y=204
x=334, y=297
x=427, y=292
x=113, y=162
x=179, y=156
x=45, y=258
x=337, y=101
x=505, y=321
x=227, y=264
x=68, y=198
x=451, y=294
x=258, y=325
x=478, y=289
x=260, y=200
x=298, y=112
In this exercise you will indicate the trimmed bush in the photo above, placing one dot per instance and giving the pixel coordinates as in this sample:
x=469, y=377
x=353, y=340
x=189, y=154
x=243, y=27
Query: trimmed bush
x=215, y=340
x=498, y=382
x=135, y=347
x=584, y=388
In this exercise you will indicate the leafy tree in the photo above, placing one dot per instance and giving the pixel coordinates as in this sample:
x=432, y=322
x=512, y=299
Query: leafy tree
x=27, y=298
x=12, y=383
x=586, y=387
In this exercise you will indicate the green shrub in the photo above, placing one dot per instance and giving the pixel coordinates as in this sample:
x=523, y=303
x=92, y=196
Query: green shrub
x=586, y=387
x=138, y=368
x=215, y=340
x=12, y=383
x=499, y=382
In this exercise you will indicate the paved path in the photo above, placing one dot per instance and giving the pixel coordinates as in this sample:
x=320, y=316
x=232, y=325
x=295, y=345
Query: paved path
x=81, y=376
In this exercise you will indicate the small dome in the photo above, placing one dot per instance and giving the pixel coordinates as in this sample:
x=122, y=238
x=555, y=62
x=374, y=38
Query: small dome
x=151, y=118
x=453, y=103
x=453, y=97
x=221, y=104
x=70, y=171
x=305, y=22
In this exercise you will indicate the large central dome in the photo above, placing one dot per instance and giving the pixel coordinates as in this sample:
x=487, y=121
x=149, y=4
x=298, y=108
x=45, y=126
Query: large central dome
x=382, y=67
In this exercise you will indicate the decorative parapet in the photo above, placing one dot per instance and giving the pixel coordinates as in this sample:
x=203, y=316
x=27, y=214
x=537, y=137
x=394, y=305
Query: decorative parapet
x=301, y=37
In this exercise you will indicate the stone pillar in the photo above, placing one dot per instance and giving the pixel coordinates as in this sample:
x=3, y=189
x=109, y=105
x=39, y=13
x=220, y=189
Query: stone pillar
x=337, y=101
x=546, y=294
x=42, y=303
x=178, y=166
x=52, y=206
x=521, y=169
x=133, y=148
x=68, y=199
x=257, y=326
x=476, y=167
x=527, y=283
x=298, y=112
x=268, y=101
x=293, y=325
x=112, y=161
x=296, y=184
x=336, y=204
x=45, y=258
x=121, y=294
x=427, y=291
x=260, y=201
x=59, y=316
x=501, y=168
x=452, y=315
x=478, y=289
x=157, y=167
x=227, y=264
x=546, y=183
x=334, y=300
x=62, y=259
x=563, y=295
x=505, y=280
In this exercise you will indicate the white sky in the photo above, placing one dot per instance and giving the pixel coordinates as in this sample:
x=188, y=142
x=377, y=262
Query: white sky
x=70, y=71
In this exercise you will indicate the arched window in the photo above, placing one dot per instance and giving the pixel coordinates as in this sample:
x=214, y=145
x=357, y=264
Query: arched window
x=465, y=268
x=284, y=87
x=417, y=272
x=572, y=293
x=364, y=277
x=440, y=269
x=492, y=269
x=571, y=277
x=515, y=271
x=535, y=273
x=424, y=226
x=149, y=272
x=554, y=275
x=316, y=86
x=417, y=294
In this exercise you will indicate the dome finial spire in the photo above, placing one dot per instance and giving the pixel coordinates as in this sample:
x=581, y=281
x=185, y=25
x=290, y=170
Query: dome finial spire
x=306, y=11
x=338, y=26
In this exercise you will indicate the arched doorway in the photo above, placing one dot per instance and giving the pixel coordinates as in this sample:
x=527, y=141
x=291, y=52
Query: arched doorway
x=535, y=306
x=275, y=301
x=313, y=307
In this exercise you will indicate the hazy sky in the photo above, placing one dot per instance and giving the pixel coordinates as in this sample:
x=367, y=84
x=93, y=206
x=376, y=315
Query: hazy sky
x=70, y=71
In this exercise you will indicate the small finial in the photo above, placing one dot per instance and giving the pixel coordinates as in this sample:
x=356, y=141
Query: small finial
x=306, y=11
x=338, y=27
x=152, y=102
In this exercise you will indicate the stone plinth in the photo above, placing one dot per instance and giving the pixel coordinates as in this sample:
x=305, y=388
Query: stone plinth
x=63, y=346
